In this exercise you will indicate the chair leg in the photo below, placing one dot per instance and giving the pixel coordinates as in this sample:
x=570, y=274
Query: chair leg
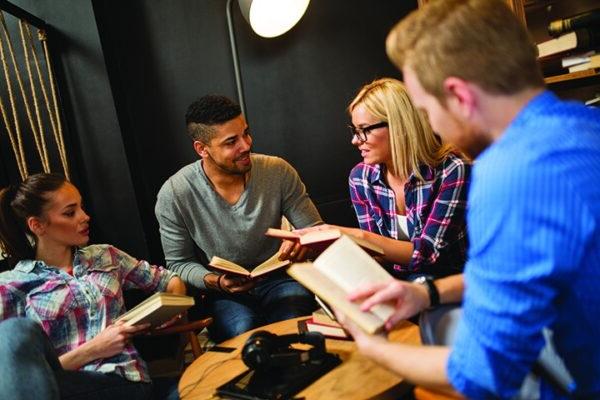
x=193, y=339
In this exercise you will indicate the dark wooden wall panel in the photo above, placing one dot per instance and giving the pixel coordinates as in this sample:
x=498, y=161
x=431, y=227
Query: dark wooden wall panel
x=132, y=67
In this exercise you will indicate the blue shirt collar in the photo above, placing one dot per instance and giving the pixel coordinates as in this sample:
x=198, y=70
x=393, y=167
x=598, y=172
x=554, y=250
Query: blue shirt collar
x=533, y=108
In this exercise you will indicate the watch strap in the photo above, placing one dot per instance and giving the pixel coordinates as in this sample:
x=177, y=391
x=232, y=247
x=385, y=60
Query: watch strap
x=434, y=295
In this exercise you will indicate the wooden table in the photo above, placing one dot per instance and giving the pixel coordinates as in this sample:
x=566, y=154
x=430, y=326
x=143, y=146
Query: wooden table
x=356, y=378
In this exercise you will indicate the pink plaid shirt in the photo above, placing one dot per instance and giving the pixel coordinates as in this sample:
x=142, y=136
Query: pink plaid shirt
x=435, y=211
x=72, y=310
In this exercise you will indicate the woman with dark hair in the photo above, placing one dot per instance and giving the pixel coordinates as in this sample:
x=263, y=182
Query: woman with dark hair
x=73, y=292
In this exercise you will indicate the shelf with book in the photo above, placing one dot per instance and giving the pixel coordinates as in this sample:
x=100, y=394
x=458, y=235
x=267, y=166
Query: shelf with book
x=570, y=54
x=537, y=15
x=588, y=73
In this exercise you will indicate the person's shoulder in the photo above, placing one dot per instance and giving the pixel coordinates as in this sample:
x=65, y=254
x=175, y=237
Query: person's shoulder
x=364, y=171
x=268, y=161
x=549, y=122
x=271, y=165
x=99, y=256
x=92, y=251
x=454, y=164
x=14, y=277
x=180, y=179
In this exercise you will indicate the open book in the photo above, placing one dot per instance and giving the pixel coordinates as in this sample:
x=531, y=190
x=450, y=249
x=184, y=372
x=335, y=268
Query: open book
x=230, y=267
x=157, y=309
x=320, y=240
x=338, y=271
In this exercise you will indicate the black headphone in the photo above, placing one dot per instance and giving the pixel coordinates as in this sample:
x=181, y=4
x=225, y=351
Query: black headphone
x=265, y=350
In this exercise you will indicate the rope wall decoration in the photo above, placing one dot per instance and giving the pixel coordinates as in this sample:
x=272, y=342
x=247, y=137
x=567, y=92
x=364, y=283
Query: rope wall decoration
x=29, y=100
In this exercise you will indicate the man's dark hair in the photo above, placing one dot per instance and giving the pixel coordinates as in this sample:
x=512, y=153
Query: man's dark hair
x=206, y=112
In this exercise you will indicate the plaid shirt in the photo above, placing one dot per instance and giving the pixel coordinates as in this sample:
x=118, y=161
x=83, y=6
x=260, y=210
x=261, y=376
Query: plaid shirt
x=435, y=211
x=72, y=310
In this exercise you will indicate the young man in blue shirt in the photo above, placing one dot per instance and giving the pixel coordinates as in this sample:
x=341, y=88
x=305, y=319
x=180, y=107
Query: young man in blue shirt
x=534, y=208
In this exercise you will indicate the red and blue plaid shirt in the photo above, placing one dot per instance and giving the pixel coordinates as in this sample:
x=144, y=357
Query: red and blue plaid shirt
x=435, y=211
x=72, y=310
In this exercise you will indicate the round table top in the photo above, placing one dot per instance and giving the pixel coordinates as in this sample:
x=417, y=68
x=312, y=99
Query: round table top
x=356, y=378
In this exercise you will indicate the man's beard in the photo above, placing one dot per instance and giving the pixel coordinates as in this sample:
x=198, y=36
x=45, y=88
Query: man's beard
x=476, y=146
x=472, y=140
x=233, y=169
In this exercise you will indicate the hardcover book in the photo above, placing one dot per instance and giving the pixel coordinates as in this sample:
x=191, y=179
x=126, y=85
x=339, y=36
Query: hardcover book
x=320, y=240
x=580, y=39
x=157, y=309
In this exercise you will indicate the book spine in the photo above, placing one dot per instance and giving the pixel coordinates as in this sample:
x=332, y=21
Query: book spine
x=584, y=39
x=586, y=19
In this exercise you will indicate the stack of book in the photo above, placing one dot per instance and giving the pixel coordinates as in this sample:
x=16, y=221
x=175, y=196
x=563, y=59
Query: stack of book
x=323, y=323
x=575, y=45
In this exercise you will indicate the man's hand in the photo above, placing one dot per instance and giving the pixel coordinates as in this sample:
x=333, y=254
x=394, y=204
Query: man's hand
x=228, y=283
x=293, y=251
x=235, y=284
x=408, y=298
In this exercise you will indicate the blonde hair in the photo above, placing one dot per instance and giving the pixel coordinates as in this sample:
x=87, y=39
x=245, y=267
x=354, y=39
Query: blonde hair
x=480, y=41
x=412, y=140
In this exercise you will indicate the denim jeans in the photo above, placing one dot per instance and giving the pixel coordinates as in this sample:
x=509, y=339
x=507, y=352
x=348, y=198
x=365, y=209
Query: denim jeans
x=277, y=298
x=30, y=369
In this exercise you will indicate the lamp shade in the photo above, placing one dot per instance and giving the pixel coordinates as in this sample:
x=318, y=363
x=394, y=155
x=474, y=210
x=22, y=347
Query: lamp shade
x=270, y=18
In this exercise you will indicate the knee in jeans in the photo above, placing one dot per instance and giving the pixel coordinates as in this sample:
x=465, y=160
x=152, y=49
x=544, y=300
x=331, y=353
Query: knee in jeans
x=18, y=333
x=226, y=329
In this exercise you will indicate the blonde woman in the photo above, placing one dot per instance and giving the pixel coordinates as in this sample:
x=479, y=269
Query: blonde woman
x=410, y=190
x=409, y=185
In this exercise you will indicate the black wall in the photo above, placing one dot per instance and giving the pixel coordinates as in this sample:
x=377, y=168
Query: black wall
x=132, y=67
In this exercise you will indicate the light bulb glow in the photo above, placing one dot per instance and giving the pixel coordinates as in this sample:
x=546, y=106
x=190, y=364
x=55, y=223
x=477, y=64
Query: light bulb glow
x=270, y=18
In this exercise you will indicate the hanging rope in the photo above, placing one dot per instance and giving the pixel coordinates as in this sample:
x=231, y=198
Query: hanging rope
x=59, y=134
x=19, y=80
x=41, y=80
x=35, y=118
x=15, y=139
x=38, y=132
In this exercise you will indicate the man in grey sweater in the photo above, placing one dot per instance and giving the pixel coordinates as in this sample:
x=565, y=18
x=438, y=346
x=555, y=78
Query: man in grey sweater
x=222, y=205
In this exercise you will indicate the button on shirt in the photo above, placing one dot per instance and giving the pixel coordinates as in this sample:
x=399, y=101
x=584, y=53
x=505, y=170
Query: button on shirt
x=435, y=210
x=72, y=310
x=534, y=256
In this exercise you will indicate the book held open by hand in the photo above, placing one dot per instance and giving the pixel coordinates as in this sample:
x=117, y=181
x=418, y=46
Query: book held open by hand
x=340, y=269
x=229, y=267
x=319, y=240
x=157, y=309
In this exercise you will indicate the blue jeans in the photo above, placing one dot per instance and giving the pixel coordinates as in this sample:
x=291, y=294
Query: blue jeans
x=275, y=299
x=30, y=369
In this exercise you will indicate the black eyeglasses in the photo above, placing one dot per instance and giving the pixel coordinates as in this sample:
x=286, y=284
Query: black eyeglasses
x=361, y=133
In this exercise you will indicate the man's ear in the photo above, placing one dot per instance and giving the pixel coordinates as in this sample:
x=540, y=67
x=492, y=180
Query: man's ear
x=461, y=99
x=200, y=148
x=36, y=226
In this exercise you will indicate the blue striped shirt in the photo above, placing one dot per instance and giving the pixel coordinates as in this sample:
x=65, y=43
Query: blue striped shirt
x=534, y=256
